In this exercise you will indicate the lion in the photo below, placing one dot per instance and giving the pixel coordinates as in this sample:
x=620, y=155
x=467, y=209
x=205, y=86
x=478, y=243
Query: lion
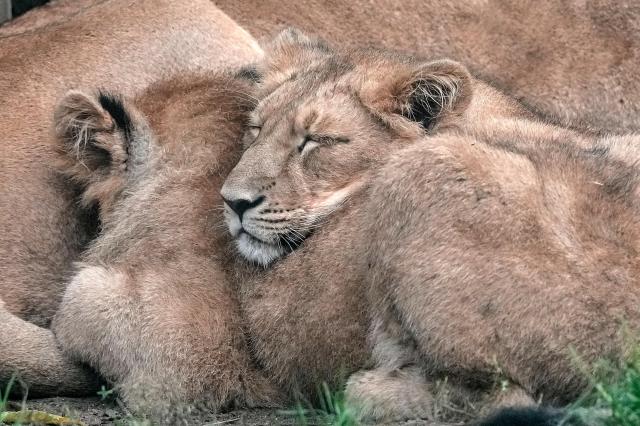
x=573, y=60
x=39, y=244
x=150, y=306
x=404, y=210
x=116, y=43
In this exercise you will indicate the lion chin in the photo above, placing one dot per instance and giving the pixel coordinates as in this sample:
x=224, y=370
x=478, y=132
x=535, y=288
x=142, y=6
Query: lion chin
x=257, y=251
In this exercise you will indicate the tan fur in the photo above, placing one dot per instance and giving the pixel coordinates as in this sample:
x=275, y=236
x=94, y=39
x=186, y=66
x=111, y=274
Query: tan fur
x=47, y=367
x=307, y=316
x=317, y=289
x=50, y=13
x=115, y=44
x=490, y=243
x=320, y=319
x=151, y=306
x=575, y=60
x=503, y=256
x=581, y=87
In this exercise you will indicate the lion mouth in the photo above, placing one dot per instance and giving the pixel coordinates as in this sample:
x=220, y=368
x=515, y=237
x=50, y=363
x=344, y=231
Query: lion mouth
x=258, y=251
x=263, y=252
x=289, y=241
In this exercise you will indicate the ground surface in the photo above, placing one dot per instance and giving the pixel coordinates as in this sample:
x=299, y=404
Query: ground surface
x=93, y=411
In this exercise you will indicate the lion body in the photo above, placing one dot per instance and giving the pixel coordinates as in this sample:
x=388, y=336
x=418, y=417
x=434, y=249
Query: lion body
x=571, y=60
x=151, y=306
x=39, y=244
x=112, y=44
x=484, y=246
x=509, y=255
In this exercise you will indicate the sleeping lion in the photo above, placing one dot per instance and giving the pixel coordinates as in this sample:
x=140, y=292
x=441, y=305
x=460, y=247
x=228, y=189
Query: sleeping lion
x=484, y=244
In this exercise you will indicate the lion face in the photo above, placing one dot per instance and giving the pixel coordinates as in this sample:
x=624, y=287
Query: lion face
x=322, y=124
x=300, y=166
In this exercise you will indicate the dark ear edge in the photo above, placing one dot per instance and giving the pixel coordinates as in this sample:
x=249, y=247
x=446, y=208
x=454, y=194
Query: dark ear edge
x=114, y=105
x=436, y=90
x=430, y=94
x=249, y=73
x=93, y=131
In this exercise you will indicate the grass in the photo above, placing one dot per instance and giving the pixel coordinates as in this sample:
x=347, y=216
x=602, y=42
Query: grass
x=333, y=410
x=25, y=416
x=4, y=396
x=614, y=398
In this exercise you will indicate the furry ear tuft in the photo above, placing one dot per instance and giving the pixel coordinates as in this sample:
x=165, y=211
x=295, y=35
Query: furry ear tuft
x=292, y=39
x=427, y=94
x=94, y=133
x=93, y=130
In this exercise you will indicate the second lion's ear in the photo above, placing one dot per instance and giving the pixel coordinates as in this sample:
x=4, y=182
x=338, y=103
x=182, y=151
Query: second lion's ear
x=95, y=132
x=429, y=94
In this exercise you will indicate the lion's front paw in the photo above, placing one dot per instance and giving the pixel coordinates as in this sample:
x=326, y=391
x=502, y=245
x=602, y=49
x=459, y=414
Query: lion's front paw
x=390, y=395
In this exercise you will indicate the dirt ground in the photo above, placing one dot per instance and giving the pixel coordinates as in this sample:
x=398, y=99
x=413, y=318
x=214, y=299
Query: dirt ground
x=93, y=411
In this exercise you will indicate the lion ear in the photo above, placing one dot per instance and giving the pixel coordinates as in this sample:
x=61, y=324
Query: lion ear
x=429, y=94
x=93, y=130
x=290, y=51
x=94, y=133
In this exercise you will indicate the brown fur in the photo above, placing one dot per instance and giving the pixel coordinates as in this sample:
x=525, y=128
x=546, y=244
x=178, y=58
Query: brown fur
x=286, y=304
x=574, y=60
x=490, y=243
x=150, y=306
x=48, y=371
x=317, y=289
x=316, y=328
x=50, y=13
x=118, y=44
x=495, y=254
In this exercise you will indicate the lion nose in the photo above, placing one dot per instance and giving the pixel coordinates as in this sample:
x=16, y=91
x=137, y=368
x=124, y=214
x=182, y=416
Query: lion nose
x=241, y=205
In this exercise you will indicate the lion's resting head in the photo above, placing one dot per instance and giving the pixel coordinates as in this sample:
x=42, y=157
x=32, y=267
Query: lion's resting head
x=323, y=122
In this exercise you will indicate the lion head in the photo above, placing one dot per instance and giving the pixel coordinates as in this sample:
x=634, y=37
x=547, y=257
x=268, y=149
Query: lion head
x=323, y=122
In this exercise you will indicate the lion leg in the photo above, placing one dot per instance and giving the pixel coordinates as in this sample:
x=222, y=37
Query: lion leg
x=397, y=388
x=166, y=350
x=31, y=355
x=390, y=395
x=406, y=393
